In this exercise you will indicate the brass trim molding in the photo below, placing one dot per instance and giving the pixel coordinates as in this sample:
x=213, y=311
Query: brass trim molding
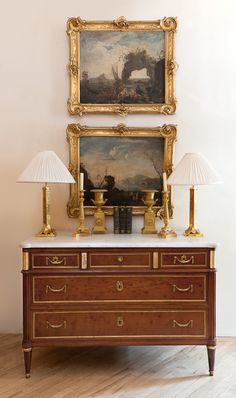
x=25, y=261
x=212, y=259
x=77, y=25
x=155, y=260
x=75, y=131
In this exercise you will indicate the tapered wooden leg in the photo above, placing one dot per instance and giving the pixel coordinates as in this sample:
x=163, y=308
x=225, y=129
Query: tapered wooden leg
x=27, y=359
x=211, y=350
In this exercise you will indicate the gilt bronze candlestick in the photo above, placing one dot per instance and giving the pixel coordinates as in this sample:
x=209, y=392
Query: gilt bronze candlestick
x=81, y=230
x=149, y=215
x=166, y=231
x=99, y=216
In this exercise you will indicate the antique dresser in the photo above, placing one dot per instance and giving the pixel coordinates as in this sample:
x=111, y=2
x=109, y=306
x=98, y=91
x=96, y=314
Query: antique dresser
x=118, y=290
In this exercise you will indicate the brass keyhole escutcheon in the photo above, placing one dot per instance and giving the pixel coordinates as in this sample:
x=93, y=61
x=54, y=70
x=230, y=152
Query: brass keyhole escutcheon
x=120, y=321
x=120, y=259
x=119, y=286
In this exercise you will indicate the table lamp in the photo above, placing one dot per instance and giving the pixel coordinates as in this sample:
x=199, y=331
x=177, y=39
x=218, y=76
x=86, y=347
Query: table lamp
x=193, y=169
x=46, y=167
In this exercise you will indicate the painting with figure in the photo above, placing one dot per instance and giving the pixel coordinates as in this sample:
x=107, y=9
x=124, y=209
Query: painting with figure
x=124, y=166
x=122, y=67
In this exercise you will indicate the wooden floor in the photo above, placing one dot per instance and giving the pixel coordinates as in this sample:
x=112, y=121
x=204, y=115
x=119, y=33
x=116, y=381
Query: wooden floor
x=119, y=372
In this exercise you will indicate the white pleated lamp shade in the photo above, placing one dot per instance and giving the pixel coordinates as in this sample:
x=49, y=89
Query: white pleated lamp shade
x=46, y=167
x=194, y=169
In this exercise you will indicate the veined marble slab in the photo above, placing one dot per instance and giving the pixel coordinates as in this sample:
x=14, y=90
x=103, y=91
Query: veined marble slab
x=64, y=239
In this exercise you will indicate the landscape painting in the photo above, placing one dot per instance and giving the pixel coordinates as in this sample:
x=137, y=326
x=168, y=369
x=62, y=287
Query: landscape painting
x=123, y=165
x=122, y=67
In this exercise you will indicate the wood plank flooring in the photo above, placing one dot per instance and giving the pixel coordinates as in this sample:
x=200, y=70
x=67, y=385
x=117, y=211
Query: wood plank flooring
x=119, y=372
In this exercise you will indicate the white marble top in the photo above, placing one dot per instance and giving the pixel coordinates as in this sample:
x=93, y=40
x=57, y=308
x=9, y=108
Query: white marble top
x=64, y=239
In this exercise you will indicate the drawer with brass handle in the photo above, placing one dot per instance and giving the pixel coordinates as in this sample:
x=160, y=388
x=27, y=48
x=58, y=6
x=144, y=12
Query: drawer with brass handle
x=124, y=288
x=127, y=323
x=54, y=260
x=125, y=259
x=184, y=259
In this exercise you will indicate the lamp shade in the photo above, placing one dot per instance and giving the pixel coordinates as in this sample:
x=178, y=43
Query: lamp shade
x=194, y=169
x=46, y=167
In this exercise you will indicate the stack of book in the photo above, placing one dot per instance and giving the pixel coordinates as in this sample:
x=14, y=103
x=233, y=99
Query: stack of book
x=122, y=219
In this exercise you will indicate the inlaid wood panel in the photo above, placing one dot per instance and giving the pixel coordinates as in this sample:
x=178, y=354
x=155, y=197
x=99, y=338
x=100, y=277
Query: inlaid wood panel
x=183, y=258
x=119, y=288
x=120, y=259
x=95, y=324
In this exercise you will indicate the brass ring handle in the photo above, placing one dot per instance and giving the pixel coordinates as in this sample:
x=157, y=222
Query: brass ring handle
x=51, y=289
x=183, y=259
x=179, y=289
x=56, y=260
x=120, y=321
x=119, y=286
x=120, y=259
x=183, y=325
x=50, y=325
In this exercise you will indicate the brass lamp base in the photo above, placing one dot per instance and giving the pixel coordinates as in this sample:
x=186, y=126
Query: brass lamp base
x=46, y=232
x=190, y=231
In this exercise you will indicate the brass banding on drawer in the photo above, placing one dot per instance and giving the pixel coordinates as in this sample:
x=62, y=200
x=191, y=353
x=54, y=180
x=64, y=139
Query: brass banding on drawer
x=119, y=288
x=55, y=260
x=124, y=259
x=121, y=324
x=186, y=259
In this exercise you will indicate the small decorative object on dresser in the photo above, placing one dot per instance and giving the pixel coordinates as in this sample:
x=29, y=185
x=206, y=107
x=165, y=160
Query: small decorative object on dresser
x=193, y=169
x=125, y=290
x=149, y=215
x=46, y=167
x=99, y=216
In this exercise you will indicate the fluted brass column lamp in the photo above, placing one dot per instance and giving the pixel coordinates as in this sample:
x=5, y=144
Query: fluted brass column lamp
x=46, y=167
x=193, y=169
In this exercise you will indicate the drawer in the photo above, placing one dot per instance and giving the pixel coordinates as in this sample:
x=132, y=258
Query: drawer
x=184, y=258
x=55, y=260
x=101, y=324
x=120, y=259
x=119, y=288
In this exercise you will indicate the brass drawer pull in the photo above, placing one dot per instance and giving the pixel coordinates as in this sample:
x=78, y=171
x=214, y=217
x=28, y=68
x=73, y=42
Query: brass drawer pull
x=119, y=286
x=50, y=325
x=55, y=260
x=183, y=259
x=120, y=321
x=120, y=259
x=51, y=289
x=179, y=289
x=183, y=325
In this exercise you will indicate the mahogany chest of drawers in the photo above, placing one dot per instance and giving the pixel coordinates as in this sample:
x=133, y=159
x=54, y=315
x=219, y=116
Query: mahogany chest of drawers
x=122, y=290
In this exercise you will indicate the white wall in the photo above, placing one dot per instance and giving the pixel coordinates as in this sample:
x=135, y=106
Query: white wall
x=33, y=94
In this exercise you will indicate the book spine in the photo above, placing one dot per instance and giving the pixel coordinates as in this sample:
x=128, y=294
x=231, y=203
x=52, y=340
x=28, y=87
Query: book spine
x=116, y=219
x=129, y=220
x=122, y=220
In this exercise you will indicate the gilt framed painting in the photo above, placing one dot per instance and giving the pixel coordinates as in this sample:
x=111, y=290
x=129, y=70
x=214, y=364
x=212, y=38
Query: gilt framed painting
x=121, y=66
x=123, y=160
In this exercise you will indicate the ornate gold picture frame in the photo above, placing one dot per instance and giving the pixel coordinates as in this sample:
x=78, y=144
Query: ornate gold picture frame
x=124, y=160
x=121, y=66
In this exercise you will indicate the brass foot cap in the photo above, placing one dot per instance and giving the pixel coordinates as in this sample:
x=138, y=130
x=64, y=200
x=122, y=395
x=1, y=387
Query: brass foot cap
x=211, y=373
x=27, y=375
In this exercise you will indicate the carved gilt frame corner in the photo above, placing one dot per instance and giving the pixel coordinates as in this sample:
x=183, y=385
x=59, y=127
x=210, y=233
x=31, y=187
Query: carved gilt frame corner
x=77, y=25
x=75, y=131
